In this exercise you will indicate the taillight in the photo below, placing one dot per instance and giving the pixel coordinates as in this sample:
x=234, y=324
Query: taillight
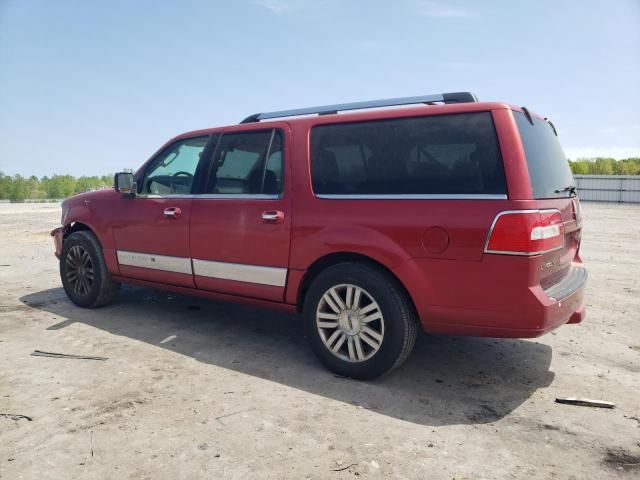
x=526, y=232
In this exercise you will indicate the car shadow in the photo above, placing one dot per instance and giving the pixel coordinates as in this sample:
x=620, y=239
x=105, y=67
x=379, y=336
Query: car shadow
x=446, y=381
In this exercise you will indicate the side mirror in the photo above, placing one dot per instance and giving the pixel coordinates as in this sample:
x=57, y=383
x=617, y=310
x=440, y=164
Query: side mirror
x=124, y=183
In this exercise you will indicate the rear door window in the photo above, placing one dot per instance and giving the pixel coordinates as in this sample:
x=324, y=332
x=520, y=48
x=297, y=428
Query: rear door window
x=454, y=154
x=248, y=163
x=548, y=165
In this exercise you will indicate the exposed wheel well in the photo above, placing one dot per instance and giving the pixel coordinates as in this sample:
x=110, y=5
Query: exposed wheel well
x=75, y=227
x=343, y=257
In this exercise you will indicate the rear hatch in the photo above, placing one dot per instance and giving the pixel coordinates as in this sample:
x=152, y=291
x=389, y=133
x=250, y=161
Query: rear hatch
x=553, y=187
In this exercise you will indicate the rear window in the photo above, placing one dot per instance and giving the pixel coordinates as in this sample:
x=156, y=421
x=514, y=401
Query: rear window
x=435, y=155
x=548, y=165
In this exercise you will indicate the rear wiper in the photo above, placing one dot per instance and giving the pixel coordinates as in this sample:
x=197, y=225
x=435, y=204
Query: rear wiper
x=572, y=189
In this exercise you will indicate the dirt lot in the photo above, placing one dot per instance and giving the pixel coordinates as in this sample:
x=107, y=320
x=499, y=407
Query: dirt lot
x=196, y=389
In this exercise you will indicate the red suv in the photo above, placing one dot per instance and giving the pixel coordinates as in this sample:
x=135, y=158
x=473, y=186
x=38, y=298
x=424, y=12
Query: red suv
x=452, y=215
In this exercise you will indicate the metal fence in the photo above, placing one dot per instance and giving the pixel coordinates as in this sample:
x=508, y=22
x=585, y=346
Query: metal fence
x=609, y=188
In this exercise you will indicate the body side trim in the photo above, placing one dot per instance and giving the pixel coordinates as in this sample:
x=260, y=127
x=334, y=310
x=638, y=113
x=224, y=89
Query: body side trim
x=155, y=262
x=206, y=268
x=215, y=196
x=240, y=272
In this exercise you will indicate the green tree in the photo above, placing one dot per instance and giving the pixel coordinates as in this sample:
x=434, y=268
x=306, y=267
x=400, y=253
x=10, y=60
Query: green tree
x=603, y=166
x=19, y=190
x=35, y=189
x=580, y=167
x=627, y=167
x=61, y=186
x=107, y=180
x=6, y=186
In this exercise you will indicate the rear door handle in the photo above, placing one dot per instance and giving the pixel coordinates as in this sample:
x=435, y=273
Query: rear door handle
x=172, y=212
x=273, y=216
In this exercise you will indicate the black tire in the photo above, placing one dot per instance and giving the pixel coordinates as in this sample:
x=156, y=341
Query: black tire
x=98, y=289
x=398, y=322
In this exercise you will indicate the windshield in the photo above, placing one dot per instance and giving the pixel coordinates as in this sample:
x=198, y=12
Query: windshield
x=549, y=168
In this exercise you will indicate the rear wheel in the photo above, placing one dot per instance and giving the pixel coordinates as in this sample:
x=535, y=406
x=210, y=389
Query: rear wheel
x=84, y=273
x=359, y=321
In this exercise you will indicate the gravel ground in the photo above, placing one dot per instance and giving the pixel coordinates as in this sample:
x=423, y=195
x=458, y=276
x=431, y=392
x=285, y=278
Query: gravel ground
x=197, y=389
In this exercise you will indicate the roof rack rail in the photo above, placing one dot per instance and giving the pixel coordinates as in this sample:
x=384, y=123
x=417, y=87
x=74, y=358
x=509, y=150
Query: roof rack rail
x=447, y=98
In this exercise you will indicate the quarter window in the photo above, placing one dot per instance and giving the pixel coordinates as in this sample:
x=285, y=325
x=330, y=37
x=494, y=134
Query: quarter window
x=443, y=154
x=248, y=163
x=173, y=170
x=548, y=166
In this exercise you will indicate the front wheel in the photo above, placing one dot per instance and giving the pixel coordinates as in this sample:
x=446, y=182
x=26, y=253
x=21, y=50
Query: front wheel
x=84, y=273
x=359, y=321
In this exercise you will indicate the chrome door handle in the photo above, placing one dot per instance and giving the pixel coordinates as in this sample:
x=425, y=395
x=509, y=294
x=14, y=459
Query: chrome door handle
x=172, y=212
x=274, y=216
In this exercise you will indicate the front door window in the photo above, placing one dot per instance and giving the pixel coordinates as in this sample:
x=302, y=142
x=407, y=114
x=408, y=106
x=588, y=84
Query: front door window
x=172, y=172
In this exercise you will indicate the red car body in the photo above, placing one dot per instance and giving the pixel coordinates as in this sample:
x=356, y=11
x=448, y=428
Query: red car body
x=436, y=248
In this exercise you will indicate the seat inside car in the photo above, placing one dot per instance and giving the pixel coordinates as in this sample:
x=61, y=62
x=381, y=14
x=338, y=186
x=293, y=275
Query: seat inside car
x=256, y=186
x=325, y=170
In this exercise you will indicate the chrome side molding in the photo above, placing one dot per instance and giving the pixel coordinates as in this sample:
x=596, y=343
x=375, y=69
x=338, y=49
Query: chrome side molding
x=240, y=272
x=155, y=262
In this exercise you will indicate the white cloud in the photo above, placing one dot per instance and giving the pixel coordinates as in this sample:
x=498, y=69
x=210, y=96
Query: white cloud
x=441, y=10
x=366, y=44
x=621, y=129
x=286, y=7
x=462, y=65
x=592, y=152
x=278, y=7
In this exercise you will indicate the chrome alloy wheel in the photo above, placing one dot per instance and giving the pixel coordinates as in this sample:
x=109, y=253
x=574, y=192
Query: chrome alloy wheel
x=350, y=323
x=79, y=270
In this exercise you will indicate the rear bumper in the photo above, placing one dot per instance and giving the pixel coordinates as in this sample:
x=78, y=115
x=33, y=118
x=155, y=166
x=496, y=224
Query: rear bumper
x=500, y=305
x=57, y=234
x=562, y=303
x=578, y=315
x=527, y=325
x=573, y=280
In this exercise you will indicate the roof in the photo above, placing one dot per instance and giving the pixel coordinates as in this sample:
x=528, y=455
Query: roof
x=360, y=111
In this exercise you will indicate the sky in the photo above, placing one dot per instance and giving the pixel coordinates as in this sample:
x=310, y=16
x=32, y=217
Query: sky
x=93, y=87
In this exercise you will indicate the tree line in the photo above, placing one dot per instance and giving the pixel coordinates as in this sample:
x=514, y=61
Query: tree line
x=606, y=166
x=18, y=188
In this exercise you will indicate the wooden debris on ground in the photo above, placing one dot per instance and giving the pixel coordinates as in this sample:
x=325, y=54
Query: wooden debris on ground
x=585, y=402
x=40, y=353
